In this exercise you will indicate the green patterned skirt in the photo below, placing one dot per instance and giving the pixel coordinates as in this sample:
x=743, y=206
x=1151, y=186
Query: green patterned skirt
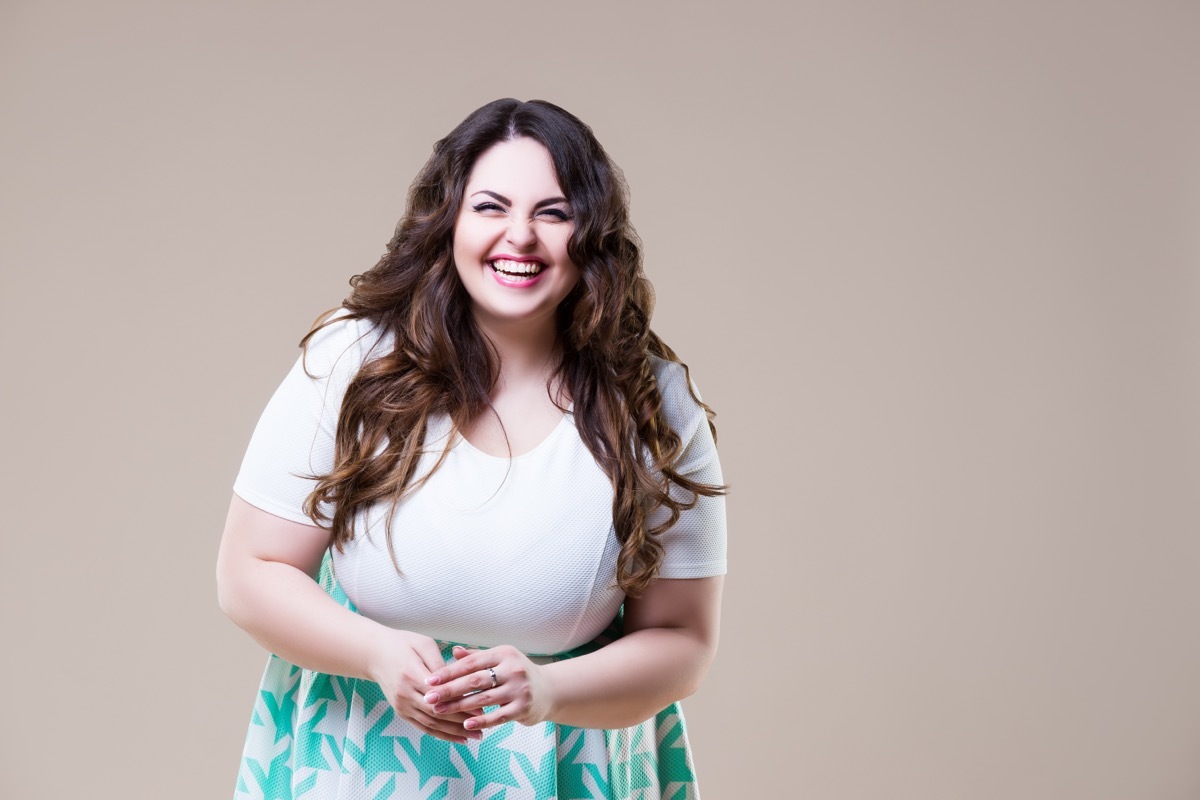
x=322, y=737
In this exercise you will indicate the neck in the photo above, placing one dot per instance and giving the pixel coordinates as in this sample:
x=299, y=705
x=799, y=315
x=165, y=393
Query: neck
x=527, y=353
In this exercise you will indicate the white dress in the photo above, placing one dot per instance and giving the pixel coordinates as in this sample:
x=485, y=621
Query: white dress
x=491, y=551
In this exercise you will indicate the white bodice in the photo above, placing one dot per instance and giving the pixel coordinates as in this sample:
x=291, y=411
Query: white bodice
x=490, y=550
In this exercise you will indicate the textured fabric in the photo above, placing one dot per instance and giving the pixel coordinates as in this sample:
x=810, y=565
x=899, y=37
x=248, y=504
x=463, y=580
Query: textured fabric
x=491, y=551
x=324, y=737
x=542, y=520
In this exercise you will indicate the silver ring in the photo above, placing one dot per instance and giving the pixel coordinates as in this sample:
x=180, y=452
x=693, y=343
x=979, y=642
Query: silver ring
x=495, y=682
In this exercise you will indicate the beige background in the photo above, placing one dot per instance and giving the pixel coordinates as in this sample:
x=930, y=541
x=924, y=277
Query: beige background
x=934, y=264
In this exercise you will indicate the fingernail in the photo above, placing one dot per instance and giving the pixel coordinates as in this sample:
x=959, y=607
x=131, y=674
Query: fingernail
x=470, y=724
x=432, y=680
x=477, y=736
x=432, y=697
x=440, y=707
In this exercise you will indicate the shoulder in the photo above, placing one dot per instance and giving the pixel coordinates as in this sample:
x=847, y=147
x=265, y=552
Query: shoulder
x=679, y=395
x=342, y=344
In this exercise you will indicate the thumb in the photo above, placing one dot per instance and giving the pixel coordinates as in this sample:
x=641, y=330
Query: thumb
x=430, y=655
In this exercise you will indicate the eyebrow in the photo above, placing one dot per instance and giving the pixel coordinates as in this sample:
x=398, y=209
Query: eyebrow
x=496, y=196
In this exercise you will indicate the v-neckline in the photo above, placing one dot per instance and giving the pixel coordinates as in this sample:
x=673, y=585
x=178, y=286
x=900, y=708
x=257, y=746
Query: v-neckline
x=549, y=437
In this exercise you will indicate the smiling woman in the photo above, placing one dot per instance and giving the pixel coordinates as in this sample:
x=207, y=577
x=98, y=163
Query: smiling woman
x=511, y=239
x=480, y=525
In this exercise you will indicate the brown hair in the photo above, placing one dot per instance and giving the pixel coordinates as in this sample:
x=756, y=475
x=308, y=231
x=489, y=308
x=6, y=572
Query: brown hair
x=441, y=362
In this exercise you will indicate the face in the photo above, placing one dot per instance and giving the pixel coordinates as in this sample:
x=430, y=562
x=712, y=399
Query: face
x=510, y=238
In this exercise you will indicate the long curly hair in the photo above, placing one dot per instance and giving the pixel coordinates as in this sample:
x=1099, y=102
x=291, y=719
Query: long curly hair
x=442, y=364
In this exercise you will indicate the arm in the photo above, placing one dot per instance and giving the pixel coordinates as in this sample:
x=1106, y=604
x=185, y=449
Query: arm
x=670, y=639
x=265, y=583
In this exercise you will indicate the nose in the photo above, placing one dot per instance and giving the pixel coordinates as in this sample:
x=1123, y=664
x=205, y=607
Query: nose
x=520, y=233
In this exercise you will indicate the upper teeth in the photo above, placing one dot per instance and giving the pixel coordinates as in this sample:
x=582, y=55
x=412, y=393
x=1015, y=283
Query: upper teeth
x=519, y=267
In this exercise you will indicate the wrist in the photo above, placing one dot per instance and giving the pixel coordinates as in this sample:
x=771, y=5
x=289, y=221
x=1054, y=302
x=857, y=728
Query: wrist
x=552, y=687
x=375, y=652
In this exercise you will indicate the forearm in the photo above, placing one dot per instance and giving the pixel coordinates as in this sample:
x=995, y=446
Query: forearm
x=630, y=679
x=290, y=615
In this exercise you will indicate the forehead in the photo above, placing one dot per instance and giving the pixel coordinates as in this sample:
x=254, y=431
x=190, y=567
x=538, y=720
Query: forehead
x=514, y=168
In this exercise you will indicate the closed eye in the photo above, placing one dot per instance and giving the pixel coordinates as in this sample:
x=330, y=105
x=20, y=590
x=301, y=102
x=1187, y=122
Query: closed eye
x=481, y=207
x=557, y=213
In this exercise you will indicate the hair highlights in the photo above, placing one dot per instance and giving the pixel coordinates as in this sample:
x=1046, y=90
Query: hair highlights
x=441, y=362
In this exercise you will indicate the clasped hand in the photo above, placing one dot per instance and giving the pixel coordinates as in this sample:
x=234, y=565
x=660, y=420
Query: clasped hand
x=466, y=686
x=447, y=700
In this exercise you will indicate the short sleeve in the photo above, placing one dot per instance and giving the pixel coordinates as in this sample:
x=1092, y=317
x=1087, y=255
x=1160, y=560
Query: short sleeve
x=695, y=546
x=294, y=438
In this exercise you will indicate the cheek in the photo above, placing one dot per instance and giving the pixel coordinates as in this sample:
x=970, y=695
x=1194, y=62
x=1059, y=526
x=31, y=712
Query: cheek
x=571, y=278
x=576, y=274
x=465, y=246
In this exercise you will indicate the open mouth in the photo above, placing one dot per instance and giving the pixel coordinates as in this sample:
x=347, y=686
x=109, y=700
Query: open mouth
x=517, y=270
x=517, y=274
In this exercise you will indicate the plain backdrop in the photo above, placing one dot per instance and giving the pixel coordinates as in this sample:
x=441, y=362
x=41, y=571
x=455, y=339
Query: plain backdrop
x=934, y=264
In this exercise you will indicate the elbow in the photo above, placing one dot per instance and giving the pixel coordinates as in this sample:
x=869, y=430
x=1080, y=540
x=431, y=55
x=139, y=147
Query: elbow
x=237, y=578
x=226, y=595
x=236, y=602
x=705, y=653
x=230, y=591
x=692, y=684
x=692, y=667
x=687, y=691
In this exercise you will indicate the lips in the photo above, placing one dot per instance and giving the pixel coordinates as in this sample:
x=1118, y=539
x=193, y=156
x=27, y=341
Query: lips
x=517, y=268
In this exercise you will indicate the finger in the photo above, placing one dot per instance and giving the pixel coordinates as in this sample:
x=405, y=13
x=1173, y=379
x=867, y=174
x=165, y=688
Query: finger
x=430, y=655
x=416, y=700
x=455, y=717
x=443, y=729
x=478, y=681
x=467, y=706
x=473, y=660
x=493, y=718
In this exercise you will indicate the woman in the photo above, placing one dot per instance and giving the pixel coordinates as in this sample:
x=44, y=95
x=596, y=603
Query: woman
x=480, y=525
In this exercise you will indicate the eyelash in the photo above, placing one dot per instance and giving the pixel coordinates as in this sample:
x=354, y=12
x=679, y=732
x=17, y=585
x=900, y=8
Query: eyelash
x=557, y=213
